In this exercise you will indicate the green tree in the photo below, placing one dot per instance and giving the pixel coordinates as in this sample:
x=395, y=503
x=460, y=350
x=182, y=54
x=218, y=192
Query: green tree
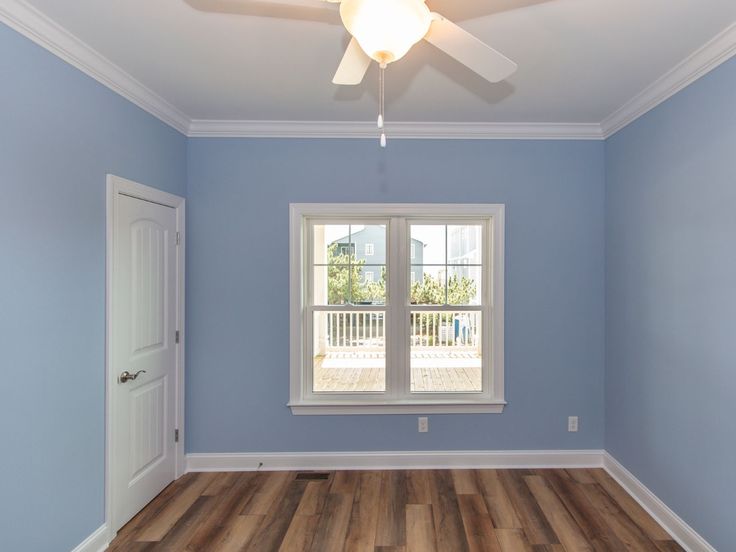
x=345, y=284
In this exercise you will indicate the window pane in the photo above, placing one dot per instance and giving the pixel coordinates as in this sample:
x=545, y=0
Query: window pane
x=371, y=288
x=332, y=284
x=445, y=352
x=429, y=243
x=464, y=285
x=428, y=285
x=464, y=244
x=331, y=241
x=370, y=243
x=349, y=352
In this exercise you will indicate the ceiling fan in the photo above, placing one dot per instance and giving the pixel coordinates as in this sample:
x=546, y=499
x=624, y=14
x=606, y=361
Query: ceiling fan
x=385, y=30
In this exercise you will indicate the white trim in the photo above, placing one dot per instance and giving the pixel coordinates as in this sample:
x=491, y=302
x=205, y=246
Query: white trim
x=115, y=187
x=397, y=130
x=96, y=542
x=396, y=399
x=703, y=60
x=34, y=25
x=685, y=535
x=472, y=459
x=347, y=409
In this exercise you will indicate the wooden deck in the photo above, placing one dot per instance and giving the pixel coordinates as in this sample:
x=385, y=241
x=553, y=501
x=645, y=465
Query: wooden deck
x=434, y=371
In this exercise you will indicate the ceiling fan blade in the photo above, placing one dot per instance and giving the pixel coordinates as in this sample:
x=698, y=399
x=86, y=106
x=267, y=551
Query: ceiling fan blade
x=307, y=10
x=353, y=66
x=469, y=50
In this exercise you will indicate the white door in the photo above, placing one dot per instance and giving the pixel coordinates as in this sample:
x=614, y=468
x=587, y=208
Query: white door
x=143, y=355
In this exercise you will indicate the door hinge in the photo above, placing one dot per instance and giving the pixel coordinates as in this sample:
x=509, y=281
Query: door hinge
x=177, y=336
x=178, y=238
x=176, y=435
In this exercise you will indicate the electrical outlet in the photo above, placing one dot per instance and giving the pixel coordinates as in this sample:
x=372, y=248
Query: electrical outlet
x=572, y=424
x=423, y=425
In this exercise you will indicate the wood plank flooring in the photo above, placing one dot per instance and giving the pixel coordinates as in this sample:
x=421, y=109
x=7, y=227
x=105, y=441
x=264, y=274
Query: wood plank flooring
x=395, y=511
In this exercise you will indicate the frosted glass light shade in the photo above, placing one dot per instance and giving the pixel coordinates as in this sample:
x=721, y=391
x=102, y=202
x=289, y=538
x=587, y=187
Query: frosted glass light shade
x=386, y=29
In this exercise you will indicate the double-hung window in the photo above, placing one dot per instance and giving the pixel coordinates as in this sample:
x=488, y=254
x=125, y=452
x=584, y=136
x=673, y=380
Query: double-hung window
x=414, y=327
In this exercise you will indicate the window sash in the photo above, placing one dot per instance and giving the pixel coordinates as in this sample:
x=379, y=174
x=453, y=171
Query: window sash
x=397, y=312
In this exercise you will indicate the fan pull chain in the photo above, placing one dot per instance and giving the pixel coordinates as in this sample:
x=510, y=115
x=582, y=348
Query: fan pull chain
x=382, y=102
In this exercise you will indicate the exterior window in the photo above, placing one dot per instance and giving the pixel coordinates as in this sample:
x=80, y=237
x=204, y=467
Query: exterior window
x=365, y=338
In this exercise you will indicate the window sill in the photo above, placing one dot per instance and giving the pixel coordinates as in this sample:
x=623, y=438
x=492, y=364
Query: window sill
x=342, y=409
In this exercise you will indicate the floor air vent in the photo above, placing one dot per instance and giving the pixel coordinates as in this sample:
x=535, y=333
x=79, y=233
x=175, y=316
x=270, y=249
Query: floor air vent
x=312, y=475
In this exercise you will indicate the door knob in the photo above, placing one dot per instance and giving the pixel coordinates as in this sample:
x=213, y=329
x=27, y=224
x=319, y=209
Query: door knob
x=126, y=376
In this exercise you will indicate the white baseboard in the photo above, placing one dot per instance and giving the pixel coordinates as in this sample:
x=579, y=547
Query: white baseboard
x=685, y=535
x=295, y=461
x=96, y=542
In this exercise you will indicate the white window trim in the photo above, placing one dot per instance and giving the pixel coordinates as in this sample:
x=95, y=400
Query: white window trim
x=369, y=250
x=303, y=402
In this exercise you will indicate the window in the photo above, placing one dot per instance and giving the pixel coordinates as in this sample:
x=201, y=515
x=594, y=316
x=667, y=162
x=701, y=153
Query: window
x=392, y=332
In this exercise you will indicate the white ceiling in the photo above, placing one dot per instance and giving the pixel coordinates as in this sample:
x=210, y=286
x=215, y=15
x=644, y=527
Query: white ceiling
x=579, y=60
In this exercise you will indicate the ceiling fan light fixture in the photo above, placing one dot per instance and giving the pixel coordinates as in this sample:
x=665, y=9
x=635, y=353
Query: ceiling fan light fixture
x=386, y=29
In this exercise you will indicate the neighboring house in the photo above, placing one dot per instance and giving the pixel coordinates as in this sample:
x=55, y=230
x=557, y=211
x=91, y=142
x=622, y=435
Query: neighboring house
x=369, y=245
x=463, y=243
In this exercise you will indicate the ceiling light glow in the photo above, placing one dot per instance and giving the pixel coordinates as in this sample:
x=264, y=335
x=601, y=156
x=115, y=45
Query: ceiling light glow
x=386, y=29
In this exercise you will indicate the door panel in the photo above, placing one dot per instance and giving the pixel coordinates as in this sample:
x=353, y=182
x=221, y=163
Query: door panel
x=143, y=343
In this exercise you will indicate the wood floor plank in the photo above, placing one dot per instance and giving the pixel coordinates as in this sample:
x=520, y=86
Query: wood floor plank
x=174, y=509
x=271, y=485
x=215, y=530
x=596, y=530
x=364, y=515
x=333, y=524
x=668, y=546
x=465, y=482
x=448, y=523
x=497, y=500
x=513, y=540
x=564, y=526
x=313, y=499
x=533, y=520
x=345, y=482
x=221, y=483
x=300, y=534
x=629, y=533
x=653, y=530
x=420, y=531
x=417, y=487
x=273, y=529
x=178, y=536
x=391, y=529
x=395, y=511
x=126, y=535
x=238, y=535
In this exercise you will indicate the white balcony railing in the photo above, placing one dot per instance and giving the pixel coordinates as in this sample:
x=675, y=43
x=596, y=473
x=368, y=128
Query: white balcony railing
x=348, y=330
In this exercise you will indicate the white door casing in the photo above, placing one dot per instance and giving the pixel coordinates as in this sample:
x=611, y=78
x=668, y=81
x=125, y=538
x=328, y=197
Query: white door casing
x=145, y=283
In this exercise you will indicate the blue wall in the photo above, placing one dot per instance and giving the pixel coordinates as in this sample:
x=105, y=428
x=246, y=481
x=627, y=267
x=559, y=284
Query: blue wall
x=671, y=306
x=60, y=134
x=238, y=286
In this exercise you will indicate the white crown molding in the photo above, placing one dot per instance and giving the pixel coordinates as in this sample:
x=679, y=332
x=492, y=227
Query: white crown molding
x=396, y=460
x=96, y=542
x=705, y=59
x=685, y=535
x=395, y=130
x=34, y=25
